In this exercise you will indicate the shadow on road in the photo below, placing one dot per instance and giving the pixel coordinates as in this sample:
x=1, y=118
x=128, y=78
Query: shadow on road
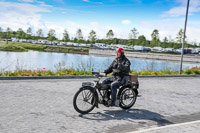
x=129, y=115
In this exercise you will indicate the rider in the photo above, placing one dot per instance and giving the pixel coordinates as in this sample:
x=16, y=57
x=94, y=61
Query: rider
x=120, y=69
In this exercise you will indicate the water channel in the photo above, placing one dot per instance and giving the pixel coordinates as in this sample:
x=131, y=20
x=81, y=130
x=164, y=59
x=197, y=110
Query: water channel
x=33, y=60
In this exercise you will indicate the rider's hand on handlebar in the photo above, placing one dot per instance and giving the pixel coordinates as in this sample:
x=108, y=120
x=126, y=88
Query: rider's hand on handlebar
x=102, y=74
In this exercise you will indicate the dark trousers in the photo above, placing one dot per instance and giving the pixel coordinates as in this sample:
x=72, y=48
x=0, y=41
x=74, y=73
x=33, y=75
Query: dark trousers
x=114, y=86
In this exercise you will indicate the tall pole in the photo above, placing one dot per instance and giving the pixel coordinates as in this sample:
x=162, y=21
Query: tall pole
x=180, y=72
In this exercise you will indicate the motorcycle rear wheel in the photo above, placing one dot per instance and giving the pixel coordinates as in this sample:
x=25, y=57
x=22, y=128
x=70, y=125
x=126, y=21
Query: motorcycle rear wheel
x=127, y=98
x=84, y=101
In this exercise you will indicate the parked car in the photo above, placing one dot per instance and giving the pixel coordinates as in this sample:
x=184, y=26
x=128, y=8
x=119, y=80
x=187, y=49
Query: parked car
x=197, y=50
x=138, y=48
x=157, y=49
x=15, y=39
x=169, y=50
x=35, y=42
x=147, y=49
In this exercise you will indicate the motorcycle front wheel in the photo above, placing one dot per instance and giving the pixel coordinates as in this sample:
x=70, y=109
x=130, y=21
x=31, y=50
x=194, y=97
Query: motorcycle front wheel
x=84, y=101
x=127, y=98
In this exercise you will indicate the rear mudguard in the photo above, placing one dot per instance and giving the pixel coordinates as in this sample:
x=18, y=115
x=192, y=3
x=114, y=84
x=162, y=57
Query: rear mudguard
x=94, y=91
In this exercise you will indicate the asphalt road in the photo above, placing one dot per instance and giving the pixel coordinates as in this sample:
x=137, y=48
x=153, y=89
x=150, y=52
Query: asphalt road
x=45, y=106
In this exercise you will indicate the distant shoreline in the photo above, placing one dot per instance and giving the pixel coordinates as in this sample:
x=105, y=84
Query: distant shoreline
x=25, y=47
x=154, y=56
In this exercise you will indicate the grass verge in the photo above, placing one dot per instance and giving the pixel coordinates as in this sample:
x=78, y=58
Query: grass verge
x=24, y=47
x=73, y=72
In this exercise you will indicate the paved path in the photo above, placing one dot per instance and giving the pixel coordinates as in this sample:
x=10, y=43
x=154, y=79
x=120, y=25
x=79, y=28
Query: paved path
x=45, y=106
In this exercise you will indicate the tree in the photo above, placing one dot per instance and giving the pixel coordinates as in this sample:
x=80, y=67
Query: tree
x=8, y=34
x=1, y=33
x=51, y=35
x=75, y=40
x=110, y=34
x=131, y=42
x=28, y=33
x=39, y=33
x=165, y=42
x=79, y=36
x=133, y=34
x=179, y=37
x=141, y=40
x=20, y=34
x=66, y=36
x=155, y=38
x=92, y=36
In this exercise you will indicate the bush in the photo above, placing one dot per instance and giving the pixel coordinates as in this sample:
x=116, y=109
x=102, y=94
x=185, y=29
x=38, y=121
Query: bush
x=82, y=72
x=192, y=71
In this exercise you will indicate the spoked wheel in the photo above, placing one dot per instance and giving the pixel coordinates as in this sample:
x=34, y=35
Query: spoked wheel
x=127, y=98
x=84, y=101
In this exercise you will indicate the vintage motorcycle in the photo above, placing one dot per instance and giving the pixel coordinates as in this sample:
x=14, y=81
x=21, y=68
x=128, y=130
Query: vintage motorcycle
x=93, y=93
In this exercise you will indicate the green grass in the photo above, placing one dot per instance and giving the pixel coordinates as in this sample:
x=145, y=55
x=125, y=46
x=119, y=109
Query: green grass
x=79, y=72
x=24, y=47
x=20, y=47
x=12, y=47
x=67, y=50
x=65, y=72
x=163, y=72
x=29, y=46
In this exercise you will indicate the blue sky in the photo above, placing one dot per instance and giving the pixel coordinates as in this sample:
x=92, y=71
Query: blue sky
x=101, y=15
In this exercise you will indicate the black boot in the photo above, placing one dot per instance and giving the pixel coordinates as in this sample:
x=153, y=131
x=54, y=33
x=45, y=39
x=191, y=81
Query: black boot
x=112, y=103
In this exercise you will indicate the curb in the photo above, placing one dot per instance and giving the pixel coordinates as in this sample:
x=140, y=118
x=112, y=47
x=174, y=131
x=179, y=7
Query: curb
x=85, y=77
x=166, y=76
x=45, y=77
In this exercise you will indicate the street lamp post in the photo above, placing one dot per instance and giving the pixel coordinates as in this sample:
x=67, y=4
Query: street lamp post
x=180, y=72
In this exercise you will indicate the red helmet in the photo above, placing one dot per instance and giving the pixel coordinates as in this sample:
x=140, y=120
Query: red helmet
x=120, y=50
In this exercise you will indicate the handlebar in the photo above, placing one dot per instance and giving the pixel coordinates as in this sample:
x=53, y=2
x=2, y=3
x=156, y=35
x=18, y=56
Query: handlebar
x=99, y=74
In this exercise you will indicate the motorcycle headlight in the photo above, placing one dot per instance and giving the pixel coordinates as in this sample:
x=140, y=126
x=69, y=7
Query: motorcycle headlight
x=88, y=84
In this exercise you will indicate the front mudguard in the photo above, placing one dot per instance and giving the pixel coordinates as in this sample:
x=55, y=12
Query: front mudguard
x=94, y=91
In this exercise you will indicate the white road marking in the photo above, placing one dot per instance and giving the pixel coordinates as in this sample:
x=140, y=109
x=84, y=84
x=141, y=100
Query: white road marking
x=168, y=126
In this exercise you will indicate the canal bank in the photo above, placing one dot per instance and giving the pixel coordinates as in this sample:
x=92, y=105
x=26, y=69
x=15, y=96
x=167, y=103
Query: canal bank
x=152, y=56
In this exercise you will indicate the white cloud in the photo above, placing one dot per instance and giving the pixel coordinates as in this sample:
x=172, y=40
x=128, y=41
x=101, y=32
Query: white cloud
x=14, y=16
x=126, y=22
x=27, y=0
x=86, y=0
x=93, y=2
x=100, y=30
x=170, y=27
x=181, y=10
